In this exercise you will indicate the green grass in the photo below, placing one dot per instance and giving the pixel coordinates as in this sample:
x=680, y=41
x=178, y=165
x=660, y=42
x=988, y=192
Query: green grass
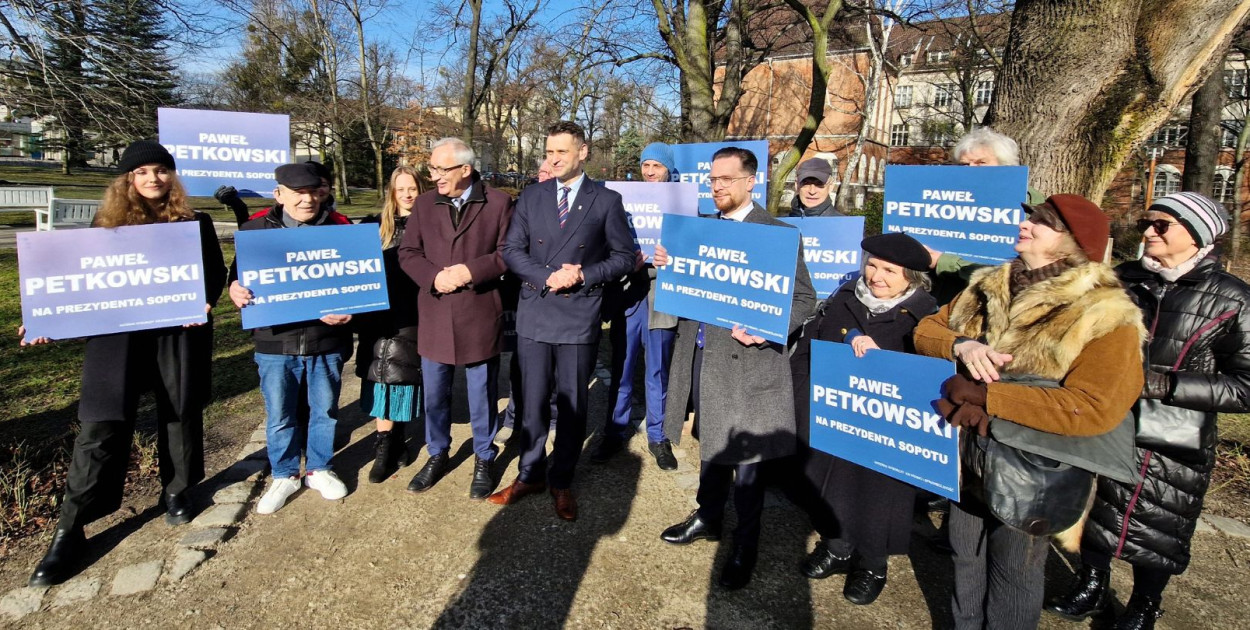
x=1235, y=427
x=90, y=184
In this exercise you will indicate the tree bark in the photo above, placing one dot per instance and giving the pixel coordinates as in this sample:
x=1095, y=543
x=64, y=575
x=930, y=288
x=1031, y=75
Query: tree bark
x=468, y=109
x=1202, y=149
x=1084, y=82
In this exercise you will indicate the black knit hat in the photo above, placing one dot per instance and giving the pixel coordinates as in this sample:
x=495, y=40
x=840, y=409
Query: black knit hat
x=142, y=152
x=899, y=249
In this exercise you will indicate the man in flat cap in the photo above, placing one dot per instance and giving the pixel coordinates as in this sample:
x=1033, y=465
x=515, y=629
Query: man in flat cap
x=309, y=354
x=811, y=190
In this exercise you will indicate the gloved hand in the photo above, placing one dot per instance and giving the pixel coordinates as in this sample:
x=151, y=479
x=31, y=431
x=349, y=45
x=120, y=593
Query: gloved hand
x=960, y=389
x=969, y=416
x=224, y=193
x=1158, y=384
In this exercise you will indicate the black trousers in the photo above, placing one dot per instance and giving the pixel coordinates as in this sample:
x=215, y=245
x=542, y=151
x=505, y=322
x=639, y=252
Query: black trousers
x=570, y=365
x=715, y=481
x=117, y=369
x=999, y=571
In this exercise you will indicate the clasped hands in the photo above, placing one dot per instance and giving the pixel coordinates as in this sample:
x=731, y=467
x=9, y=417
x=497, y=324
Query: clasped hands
x=566, y=277
x=450, y=279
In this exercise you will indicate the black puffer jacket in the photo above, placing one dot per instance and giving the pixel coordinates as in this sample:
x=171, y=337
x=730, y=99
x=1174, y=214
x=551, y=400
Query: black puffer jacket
x=387, y=352
x=1200, y=333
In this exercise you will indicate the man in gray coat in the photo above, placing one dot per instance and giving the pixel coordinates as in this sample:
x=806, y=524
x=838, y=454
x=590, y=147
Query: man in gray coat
x=741, y=391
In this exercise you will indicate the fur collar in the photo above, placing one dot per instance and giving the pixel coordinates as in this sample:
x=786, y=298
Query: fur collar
x=1047, y=325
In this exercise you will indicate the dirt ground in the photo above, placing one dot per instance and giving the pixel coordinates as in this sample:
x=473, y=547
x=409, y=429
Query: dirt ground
x=384, y=558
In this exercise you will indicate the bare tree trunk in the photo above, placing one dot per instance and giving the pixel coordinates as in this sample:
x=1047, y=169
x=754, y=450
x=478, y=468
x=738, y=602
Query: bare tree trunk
x=1243, y=139
x=468, y=111
x=1202, y=149
x=819, y=25
x=375, y=143
x=330, y=53
x=1084, y=82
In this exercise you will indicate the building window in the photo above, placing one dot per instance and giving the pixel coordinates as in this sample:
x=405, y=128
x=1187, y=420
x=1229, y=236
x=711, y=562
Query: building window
x=1224, y=185
x=904, y=60
x=899, y=135
x=944, y=94
x=902, y=96
x=937, y=56
x=1167, y=181
x=1228, y=137
x=985, y=90
x=1173, y=135
x=1235, y=81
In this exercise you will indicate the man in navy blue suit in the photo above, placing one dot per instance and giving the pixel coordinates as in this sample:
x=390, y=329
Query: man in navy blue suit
x=568, y=238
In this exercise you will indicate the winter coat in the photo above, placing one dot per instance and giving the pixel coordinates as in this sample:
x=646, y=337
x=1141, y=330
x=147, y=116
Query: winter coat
x=297, y=338
x=118, y=368
x=870, y=510
x=1079, y=328
x=822, y=209
x=461, y=327
x=398, y=323
x=746, y=410
x=1200, y=333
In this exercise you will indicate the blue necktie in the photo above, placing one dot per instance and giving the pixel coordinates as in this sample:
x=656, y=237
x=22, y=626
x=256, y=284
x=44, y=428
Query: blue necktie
x=564, y=205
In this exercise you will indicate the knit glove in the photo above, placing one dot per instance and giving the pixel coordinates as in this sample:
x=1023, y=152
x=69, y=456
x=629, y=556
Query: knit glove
x=960, y=390
x=969, y=416
x=1158, y=384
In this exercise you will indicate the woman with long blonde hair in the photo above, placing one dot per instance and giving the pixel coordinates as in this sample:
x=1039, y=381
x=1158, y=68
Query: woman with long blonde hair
x=175, y=363
x=386, y=359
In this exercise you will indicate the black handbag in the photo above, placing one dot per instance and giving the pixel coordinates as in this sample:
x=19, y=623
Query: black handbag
x=1033, y=493
x=1165, y=427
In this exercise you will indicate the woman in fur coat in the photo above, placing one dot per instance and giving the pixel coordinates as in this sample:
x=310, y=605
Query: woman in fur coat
x=1051, y=313
x=1198, y=364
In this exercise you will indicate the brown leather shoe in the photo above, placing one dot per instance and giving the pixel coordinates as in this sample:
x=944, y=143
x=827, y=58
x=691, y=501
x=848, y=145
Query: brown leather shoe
x=566, y=505
x=514, y=492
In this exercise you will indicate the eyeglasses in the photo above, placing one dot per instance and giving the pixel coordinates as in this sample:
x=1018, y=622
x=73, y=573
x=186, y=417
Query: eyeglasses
x=1160, y=225
x=436, y=171
x=722, y=182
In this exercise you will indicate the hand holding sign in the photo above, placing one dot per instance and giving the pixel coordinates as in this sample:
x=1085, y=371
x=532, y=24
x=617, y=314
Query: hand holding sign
x=240, y=295
x=745, y=338
x=37, y=341
x=661, y=256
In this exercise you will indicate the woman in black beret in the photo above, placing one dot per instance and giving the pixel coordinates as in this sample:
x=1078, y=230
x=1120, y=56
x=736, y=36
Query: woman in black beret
x=175, y=363
x=862, y=516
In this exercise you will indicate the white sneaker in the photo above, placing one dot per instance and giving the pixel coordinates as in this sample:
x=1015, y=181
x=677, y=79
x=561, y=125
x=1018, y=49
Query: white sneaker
x=275, y=497
x=327, y=483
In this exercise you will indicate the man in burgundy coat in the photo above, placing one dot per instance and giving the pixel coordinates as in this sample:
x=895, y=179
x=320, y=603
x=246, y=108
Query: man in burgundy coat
x=451, y=249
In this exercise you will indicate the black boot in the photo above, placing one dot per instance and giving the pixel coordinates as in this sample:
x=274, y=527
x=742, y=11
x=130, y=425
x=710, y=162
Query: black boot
x=178, y=508
x=1141, y=613
x=830, y=556
x=59, y=562
x=1088, y=597
x=737, y=572
x=863, y=586
x=383, y=457
x=399, y=448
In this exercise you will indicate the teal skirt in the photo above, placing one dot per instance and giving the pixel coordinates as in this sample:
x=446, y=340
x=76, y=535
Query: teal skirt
x=397, y=403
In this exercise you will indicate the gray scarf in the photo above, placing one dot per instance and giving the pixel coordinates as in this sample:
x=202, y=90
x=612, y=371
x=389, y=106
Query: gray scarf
x=876, y=305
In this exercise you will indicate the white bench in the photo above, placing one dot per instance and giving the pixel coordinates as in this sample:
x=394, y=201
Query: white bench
x=27, y=199
x=71, y=213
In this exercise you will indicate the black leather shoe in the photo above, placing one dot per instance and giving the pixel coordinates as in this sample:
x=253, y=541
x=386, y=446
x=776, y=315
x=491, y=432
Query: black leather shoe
x=1087, y=597
x=824, y=561
x=59, y=562
x=863, y=586
x=737, y=572
x=1141, y=613
x=178, y=510
x=429, y=474
x=483, y=484
x=690, y=530
x=663, y=453
x=608, y=447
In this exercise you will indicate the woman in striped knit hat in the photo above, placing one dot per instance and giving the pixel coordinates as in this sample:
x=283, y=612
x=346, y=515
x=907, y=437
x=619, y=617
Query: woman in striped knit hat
x=1197, y=365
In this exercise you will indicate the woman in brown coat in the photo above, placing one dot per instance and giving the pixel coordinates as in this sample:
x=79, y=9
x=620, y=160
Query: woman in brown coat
x=1050, y=313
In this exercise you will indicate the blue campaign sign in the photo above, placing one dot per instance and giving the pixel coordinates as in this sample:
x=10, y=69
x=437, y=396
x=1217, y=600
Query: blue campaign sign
x=215, y=149
x=646, y=203
x=830, y=249
x=694, y=163
x=301, y=274
x=972, y=212
x=726, y=273
x=877, y=411
x=115, y=280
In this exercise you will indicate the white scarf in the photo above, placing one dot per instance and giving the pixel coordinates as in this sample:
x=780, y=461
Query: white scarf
x=1172, y=275
x=876, y=305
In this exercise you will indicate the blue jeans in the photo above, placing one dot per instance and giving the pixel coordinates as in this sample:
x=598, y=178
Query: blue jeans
x=482, y=385
x=632, y=339
x=280, y=378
